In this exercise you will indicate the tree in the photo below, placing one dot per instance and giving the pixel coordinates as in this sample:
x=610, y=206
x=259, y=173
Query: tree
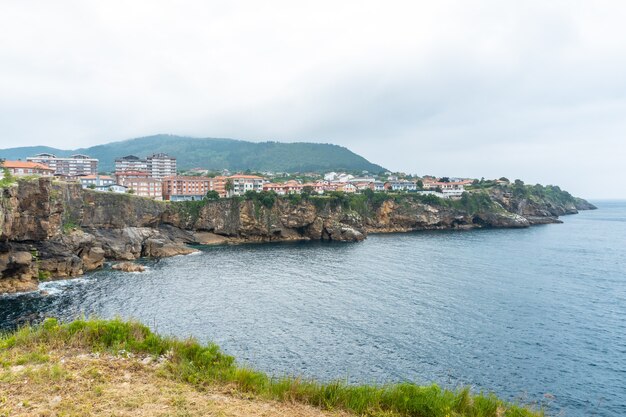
x=505, y=179
x=445, y=179
x=7, y=177
x=212, y=195
x=307, y=190
x=420, y=184
x=130, y=191
x=92, y=186
x=229, y=186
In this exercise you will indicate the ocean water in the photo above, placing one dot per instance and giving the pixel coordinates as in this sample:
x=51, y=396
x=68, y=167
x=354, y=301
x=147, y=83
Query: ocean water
x=535, y=315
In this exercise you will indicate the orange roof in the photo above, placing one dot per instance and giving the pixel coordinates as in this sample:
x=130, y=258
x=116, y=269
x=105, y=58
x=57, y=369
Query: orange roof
x=24, y=164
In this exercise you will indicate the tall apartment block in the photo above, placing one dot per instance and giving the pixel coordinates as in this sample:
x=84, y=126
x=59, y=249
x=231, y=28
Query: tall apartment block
x=161, y=165
x=158, y=165
x=130, y=163
x=74, y=165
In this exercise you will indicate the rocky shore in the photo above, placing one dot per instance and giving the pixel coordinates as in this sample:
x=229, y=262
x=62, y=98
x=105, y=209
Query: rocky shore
x=54, y=229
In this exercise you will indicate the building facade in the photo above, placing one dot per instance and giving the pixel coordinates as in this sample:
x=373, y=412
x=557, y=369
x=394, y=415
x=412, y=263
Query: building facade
x=240, y=184
x=161, y=165
x=94, y=181
x=72, y=166
x=143, y=186
x=182, y=188
x=24, y=168
x=130, y=163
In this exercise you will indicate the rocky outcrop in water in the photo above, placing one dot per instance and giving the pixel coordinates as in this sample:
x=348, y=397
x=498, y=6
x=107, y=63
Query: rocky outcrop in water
x=53, y=229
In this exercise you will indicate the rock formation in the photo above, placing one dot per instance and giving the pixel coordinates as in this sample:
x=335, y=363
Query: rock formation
x=52, y=229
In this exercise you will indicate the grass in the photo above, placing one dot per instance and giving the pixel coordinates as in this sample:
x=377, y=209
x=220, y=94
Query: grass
x=205, y=366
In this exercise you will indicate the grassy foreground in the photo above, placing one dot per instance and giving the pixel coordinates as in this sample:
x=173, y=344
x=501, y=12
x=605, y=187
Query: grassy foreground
x=45, y=356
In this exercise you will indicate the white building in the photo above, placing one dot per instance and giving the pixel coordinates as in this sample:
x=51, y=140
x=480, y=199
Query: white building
x=244, y=183
x=161, y=165
x=401, y=185
x=130, y=163
x=94, y=181
x=114, y=188
x=74, y=165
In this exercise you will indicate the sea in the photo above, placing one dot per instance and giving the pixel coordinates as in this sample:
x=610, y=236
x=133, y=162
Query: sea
x=536, y=316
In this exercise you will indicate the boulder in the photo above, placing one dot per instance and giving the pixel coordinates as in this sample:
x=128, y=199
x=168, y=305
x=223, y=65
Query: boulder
x=128, y=267
x=161, y=248
x=93, y=258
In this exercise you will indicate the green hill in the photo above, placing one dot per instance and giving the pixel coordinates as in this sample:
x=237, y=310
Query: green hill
x=217, y=154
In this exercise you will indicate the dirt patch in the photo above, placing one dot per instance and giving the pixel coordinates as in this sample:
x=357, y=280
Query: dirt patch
x=72, y=383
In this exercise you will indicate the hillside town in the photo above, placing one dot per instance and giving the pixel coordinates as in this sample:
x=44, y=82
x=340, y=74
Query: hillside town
x=157, y=177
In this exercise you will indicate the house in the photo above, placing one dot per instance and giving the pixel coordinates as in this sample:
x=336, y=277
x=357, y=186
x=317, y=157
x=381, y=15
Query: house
x=377, y=186
x=114, y=188
x=400, y=185
x=293, y=187
x=289, y=187
x=344, y=177
x=362, y=179
x=73, y=166
x=24, y=168
x=451, y=189
x=94, y=181
x=360, y=186
x=278, y=188
x=347, y=187
x=182, y=188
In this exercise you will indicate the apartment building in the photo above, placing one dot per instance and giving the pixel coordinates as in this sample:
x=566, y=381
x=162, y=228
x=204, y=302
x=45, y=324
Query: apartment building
x=181, y=188
x=74, y=165
x=144, y=187
x=240, y=184
x=161, y=165
x=130, y=163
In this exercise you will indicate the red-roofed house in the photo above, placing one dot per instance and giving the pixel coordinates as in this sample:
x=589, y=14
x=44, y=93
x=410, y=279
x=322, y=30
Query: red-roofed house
x=24, y=168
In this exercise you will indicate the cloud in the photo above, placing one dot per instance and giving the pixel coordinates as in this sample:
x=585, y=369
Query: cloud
x=486, y=88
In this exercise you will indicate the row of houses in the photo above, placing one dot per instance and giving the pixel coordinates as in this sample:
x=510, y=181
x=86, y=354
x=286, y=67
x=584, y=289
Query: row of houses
x=173, y=188
x=156, y=177
x=185, y=188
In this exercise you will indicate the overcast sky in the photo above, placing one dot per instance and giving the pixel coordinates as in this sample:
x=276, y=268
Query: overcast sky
x=523, y=89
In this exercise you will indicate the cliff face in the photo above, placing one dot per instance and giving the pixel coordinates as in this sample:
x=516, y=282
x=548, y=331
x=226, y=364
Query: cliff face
x=54, y=229
x=51, y=230
x=411, y=215
x=539, y=208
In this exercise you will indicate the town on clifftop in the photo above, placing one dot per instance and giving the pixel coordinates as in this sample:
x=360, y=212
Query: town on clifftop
x=157, y=177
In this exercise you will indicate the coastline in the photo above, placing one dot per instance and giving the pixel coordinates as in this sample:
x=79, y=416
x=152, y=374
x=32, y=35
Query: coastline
x=53, y=230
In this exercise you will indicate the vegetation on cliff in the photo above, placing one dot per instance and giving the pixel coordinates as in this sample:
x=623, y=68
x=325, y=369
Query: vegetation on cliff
x=43, y=355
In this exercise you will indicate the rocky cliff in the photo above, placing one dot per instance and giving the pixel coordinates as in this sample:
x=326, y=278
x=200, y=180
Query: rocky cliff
x=54, y=229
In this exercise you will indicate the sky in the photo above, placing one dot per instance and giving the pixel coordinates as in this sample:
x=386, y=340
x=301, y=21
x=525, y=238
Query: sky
x=475, y=88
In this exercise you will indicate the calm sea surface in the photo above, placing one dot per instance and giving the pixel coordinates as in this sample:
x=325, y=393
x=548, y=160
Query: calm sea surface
x=535, y=315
